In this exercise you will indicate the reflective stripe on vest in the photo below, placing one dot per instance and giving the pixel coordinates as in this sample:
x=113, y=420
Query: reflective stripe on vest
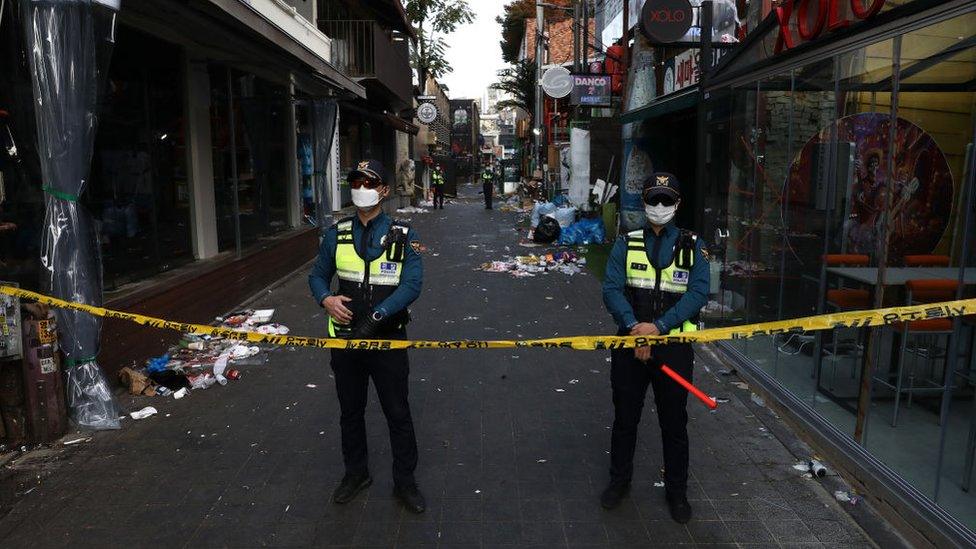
x=642, y=275
x=352, y=268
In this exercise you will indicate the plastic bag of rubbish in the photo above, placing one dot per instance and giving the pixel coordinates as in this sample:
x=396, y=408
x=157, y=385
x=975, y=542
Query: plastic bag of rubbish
x=584, y=231
x=540, y=210
x=548, y=230
x=565, y=215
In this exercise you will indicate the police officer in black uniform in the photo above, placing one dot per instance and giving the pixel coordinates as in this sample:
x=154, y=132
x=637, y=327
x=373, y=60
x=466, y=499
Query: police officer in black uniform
x=656, y=283
x=380, y=274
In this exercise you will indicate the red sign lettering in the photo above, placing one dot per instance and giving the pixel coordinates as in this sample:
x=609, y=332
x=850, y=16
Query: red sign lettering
x=827, y=15
x=666, y=16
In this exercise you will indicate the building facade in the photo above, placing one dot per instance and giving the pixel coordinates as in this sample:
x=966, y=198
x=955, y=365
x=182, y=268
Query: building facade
x=832, y=160
x=212, y=161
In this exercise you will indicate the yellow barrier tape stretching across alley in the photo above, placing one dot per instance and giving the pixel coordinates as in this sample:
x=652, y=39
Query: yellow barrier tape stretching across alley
x=851, y=319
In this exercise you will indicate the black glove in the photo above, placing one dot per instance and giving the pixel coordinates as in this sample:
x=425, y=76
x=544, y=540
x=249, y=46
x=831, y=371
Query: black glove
x=367, y=327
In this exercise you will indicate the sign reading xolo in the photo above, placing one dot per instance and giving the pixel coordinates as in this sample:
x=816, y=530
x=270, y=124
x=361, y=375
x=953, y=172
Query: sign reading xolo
x=665, y=21
x=812, y=17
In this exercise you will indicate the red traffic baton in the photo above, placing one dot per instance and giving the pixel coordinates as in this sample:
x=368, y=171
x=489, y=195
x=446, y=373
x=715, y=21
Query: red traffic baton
x=707, y=400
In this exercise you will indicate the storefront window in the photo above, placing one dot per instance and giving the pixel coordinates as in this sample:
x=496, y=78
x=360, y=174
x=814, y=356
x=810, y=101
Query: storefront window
x=849, y=184
x=257, y=136
x=138, y=193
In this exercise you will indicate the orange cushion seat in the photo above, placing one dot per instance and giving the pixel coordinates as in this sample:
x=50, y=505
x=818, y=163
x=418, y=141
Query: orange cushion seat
x=848, y=298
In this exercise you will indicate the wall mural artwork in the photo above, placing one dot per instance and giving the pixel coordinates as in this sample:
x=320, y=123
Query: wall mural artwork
x=923, y=185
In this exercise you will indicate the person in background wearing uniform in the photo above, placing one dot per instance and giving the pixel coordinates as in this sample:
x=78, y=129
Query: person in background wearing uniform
x=488, y=184
x=656, y=283
x=379, y=275
x=438, y=180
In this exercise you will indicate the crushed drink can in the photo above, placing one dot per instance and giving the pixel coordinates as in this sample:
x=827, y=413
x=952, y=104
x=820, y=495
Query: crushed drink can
x=233, y=374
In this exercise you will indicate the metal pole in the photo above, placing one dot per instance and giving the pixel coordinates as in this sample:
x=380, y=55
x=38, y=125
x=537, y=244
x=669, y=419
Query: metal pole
x=874, y=343
x=576, y=36
x=233, y=161
x=586, y=36
x=704, y=67
x=539, y=23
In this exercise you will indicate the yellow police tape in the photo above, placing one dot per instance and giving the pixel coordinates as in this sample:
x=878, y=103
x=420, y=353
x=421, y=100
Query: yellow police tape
x=851, y=319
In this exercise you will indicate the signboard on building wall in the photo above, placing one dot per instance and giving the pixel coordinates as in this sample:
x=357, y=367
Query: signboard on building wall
x=591, y=90
x=683, y=70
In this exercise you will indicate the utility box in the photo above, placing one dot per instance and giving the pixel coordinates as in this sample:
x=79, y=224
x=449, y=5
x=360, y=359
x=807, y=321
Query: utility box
x=47, y=417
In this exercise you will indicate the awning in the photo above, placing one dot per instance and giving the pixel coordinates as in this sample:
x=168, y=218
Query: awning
x=391, y=120
x=685, y=99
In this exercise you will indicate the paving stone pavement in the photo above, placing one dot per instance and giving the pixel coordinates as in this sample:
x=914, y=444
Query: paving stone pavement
x=513, y=443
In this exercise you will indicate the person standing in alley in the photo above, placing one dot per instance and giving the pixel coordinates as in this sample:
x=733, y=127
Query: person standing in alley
x=379, y=275
x=488, y=184
x=438, y=180
x=656, y=283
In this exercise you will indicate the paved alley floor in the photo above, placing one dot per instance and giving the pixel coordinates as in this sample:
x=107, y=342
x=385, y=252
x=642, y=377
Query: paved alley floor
x=513, y=444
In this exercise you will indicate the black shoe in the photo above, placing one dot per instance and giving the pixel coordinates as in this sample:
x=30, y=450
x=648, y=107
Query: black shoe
x=411, y=498
x=614, y=494
x=680, y=508
x=350, y=486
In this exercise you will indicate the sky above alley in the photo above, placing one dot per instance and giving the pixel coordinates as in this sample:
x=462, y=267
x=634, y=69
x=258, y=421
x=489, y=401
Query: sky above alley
x=474, y=52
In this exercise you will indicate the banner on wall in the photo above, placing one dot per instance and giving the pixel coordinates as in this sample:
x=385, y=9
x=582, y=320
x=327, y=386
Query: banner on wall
x=922, y=185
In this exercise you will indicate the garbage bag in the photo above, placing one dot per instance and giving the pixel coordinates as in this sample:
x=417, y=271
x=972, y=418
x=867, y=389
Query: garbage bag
x=540, y=210
x=548, y=230
x=584, y=231
x=565, y=216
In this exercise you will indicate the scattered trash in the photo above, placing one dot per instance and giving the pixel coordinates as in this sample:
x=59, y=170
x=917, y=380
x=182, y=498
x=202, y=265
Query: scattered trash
x=233, y=374
x=659, y=484
x=573, y=381
x=144, y=413
x=802, y=466
x=181, y=393
x=412, y=210
x=741, y=384
x=540, y=461
x=817, y=469
x=720, y=400
x=311, y=385
x=845, y=497
x=77, y=441
x=757, y=400
x=565, y=262
x=137, y=382
x=560, y=390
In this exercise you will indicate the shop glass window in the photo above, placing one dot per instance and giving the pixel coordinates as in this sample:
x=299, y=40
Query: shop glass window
x=258, y=135
x=930, y=189
x=139, y=192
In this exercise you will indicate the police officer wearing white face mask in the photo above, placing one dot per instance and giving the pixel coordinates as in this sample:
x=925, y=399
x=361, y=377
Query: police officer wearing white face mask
x=656, y=283
x=379, y=271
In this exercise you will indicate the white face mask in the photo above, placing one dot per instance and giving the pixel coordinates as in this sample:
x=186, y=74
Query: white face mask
x=660, y=214
x=365, y=198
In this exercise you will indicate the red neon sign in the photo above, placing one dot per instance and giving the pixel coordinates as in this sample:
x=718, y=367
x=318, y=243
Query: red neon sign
x=813, y=16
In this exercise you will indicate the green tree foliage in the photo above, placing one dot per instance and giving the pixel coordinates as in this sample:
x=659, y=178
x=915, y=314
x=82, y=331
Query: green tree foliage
x=519, y=81
x=433, y=20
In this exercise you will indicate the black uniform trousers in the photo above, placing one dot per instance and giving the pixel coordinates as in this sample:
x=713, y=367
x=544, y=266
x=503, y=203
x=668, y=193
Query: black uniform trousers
x=629, y=379
x=489, y=189
x=439, y=196
x=389, y=371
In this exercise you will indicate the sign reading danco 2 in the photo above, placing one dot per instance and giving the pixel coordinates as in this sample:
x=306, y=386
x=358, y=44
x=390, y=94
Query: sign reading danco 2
x=813, y=17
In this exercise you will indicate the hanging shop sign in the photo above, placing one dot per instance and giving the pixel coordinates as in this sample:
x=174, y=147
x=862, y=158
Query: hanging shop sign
x=813, y=17
x=427, y=112
x=665, y=21
x=684, y=70
x=591, y=90
x=557, y=82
